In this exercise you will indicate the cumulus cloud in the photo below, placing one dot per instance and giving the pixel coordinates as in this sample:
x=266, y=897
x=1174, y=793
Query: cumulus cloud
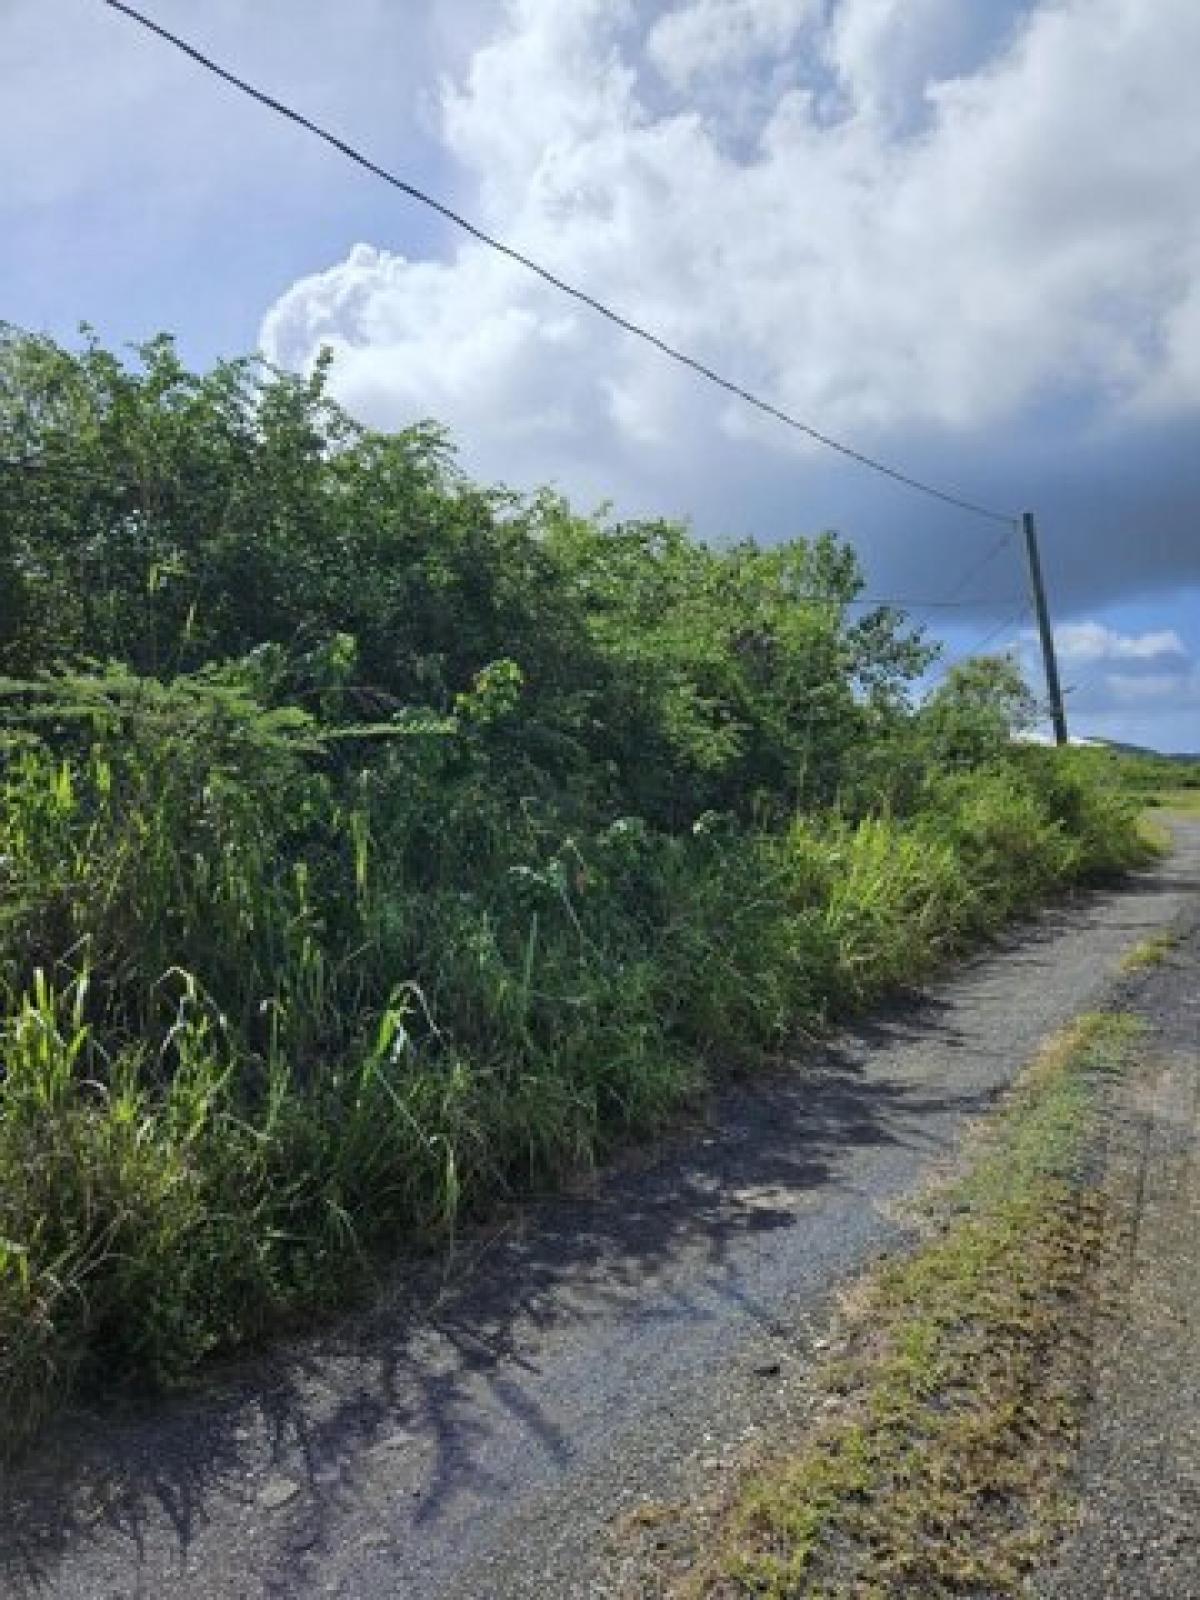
x=695, y=42
x=888, y=58
x=1038, y=236
x=1109, y=675
x=1091, y=642
x=923, y=228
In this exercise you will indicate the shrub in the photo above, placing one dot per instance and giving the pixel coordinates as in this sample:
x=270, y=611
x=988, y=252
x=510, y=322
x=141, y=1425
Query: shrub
x=373, y=846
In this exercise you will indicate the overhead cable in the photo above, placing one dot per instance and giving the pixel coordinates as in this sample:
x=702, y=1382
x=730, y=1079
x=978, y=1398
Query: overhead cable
x=933, y=605
x=552, y=278
x=1011, y=621
x=985, y=561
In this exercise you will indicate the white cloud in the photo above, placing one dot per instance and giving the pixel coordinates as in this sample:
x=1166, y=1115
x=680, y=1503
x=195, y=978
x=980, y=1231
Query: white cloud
x=1174, y=386
x=424, y=339
x=721, y=37
x=1089, y=642
x=1037, y=238
x=1125, y=684
x=887, y=56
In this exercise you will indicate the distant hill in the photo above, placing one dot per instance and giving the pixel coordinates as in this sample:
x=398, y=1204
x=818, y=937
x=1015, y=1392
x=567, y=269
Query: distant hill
x=1142, y=750
x=1119, y=747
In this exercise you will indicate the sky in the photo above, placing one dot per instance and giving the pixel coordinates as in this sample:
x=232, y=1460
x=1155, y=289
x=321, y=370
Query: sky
x=962, y=237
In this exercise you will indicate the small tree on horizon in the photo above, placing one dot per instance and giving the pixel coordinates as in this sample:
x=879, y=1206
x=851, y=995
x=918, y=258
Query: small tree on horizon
x=980, y=706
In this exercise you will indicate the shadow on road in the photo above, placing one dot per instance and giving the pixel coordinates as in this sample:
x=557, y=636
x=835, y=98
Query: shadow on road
x=449, y=1345
x=450, y=1351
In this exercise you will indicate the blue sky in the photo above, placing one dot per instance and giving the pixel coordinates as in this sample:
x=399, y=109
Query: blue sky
x=962, y=237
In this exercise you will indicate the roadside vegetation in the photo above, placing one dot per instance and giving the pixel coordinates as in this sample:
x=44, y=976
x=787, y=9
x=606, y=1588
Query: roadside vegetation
x=939, y=1465
x=374, y=845
x=1151, y=952
x=1166, y=783
x=1186, y=800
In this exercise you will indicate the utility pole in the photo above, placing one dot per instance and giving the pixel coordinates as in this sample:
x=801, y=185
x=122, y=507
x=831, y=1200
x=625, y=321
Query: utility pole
x=1053, y=689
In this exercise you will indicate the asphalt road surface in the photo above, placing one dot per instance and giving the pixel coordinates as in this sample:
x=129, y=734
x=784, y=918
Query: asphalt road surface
x=477, y=1433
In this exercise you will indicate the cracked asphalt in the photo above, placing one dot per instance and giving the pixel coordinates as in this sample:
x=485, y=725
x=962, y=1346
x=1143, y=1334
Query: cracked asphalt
x=476, y=1434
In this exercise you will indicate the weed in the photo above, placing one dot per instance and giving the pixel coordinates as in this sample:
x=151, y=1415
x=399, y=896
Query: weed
x=1150, y=952
x=1184, y=802
x=375, y=846
x=957, y=1398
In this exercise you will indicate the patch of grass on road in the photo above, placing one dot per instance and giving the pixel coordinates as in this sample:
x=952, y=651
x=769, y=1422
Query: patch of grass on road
x=1154, y=834
x=1150, y=952
x=939, y=1466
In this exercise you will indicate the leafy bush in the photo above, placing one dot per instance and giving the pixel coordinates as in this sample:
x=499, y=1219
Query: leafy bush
x=373, y=845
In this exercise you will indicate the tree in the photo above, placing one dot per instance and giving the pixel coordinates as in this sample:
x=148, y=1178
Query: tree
x=167, y=520
x=978, y=708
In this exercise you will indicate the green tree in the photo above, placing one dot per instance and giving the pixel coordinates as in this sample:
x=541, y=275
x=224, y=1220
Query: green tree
x=978, y=708
x=168, y=520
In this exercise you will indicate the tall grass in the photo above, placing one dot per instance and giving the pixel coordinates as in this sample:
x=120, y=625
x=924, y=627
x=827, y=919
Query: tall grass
x=374, y=844
x=249, y=1041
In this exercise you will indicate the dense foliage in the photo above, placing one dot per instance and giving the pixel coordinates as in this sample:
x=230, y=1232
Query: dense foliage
x=372, y=843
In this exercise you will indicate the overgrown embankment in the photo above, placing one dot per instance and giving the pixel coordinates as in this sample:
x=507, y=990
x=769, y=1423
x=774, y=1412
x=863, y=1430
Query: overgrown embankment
x=373, y=845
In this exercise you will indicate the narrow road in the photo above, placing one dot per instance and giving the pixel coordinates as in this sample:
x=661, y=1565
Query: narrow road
x=476, y=1435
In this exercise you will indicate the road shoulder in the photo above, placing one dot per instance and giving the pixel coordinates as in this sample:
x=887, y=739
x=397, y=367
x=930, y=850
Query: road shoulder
x=1015, y=1401
x=1138, y=1478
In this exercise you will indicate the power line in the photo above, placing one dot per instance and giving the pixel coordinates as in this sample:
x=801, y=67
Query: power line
x=946, y=667
x=951, y=601
x=493, y=243
x=983, y=563
x=933, y=605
